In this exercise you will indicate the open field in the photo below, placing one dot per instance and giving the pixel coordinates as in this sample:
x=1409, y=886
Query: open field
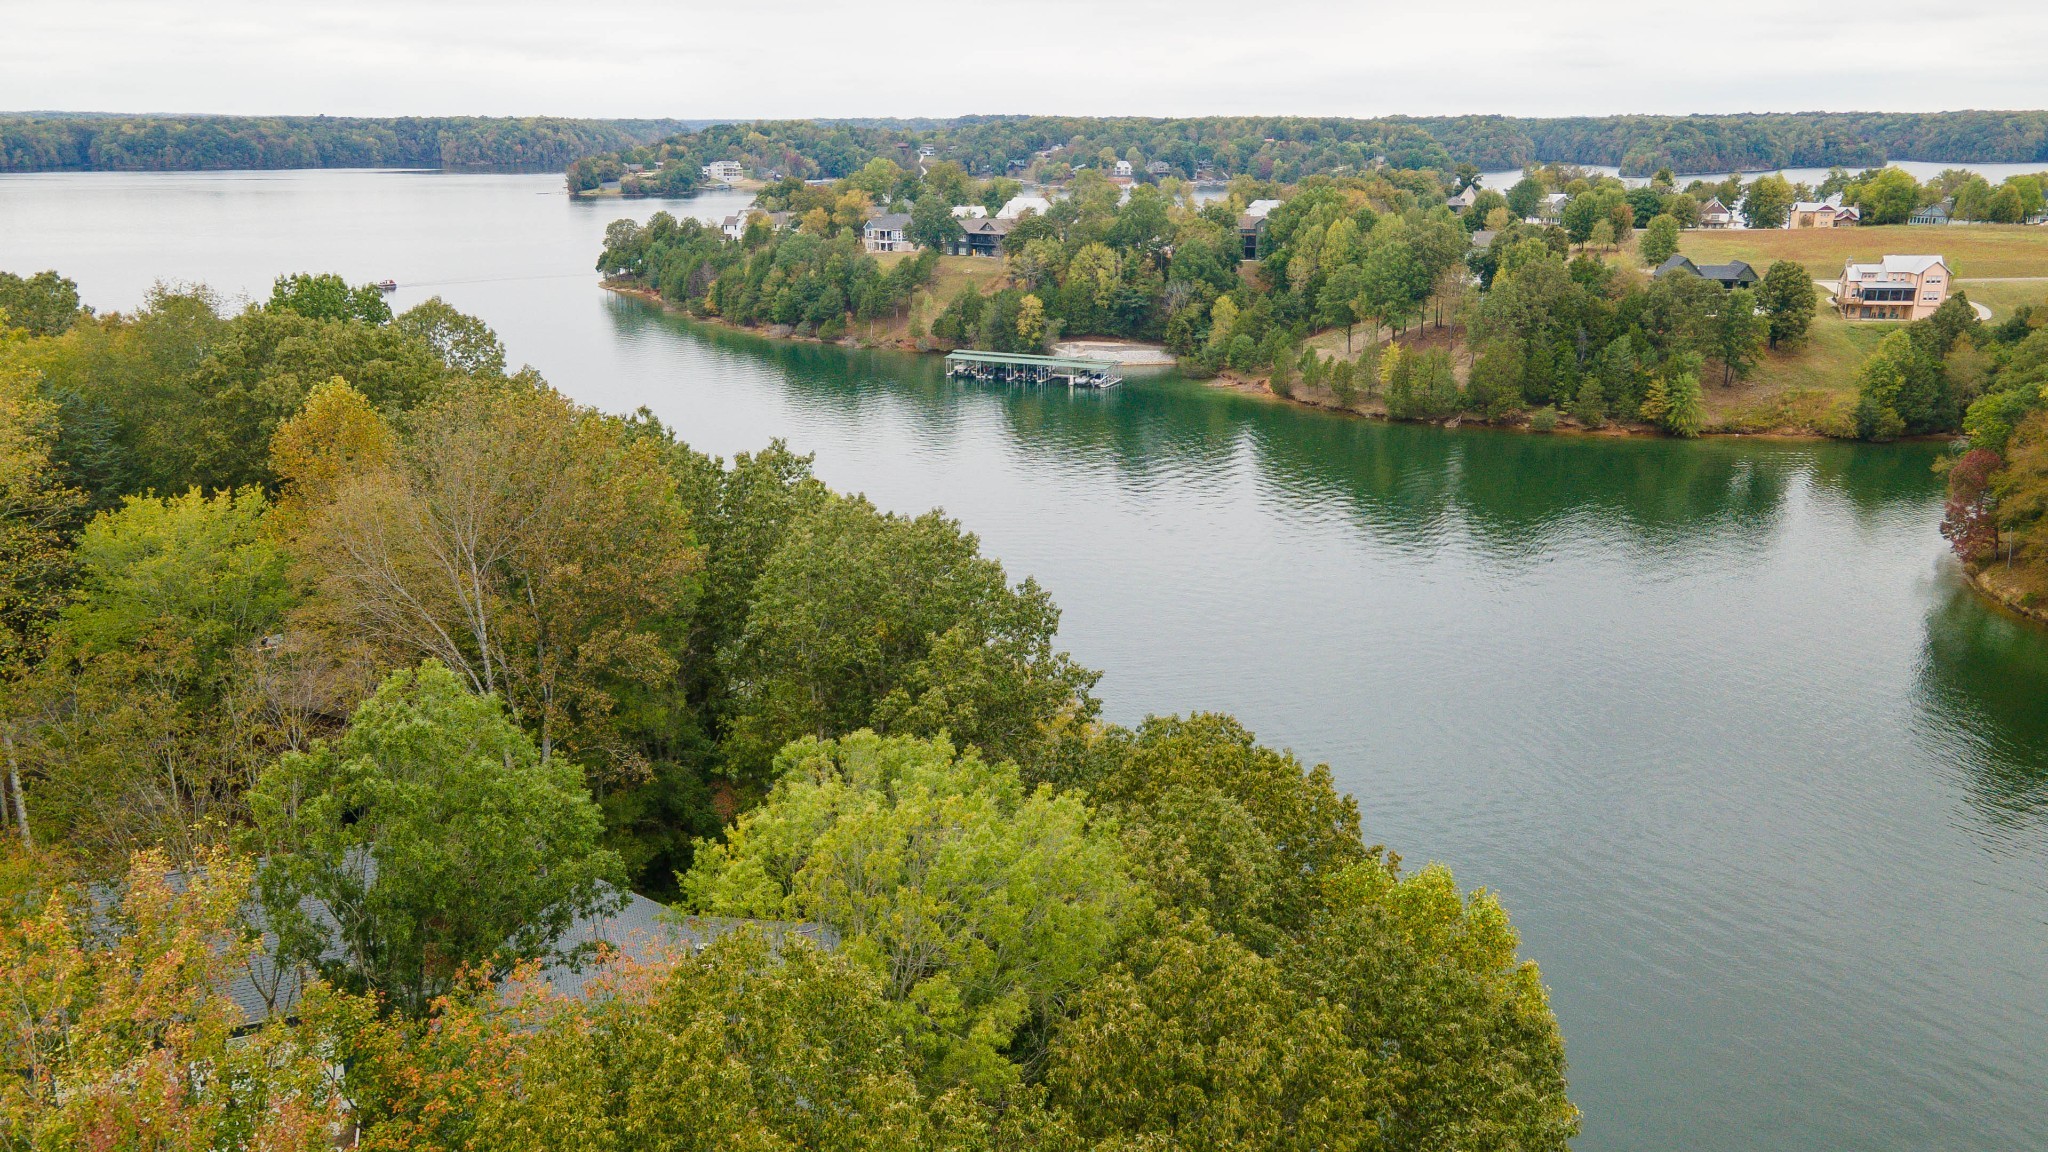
x=2002, y=296
x=1972, y=250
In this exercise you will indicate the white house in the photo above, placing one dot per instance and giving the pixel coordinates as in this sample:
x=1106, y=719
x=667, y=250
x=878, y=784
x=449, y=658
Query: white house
x=1260, y=209
x=724, y=171
x=1464, y=199
x=969, y=212
x=1019, y=205
x=1123, y=169
x=1550, y=209
x=1714, y=214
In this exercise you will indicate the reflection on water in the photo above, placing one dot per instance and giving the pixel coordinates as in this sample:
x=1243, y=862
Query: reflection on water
x=1981, y=702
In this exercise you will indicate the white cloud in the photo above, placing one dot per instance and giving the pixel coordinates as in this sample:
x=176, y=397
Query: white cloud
x=924, y=57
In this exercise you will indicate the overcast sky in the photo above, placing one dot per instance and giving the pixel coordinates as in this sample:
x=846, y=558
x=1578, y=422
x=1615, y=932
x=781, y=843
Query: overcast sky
x=930, y=58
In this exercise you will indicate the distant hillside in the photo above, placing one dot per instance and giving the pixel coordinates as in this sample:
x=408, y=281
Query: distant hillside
x=50, y=142
x=1287, y=148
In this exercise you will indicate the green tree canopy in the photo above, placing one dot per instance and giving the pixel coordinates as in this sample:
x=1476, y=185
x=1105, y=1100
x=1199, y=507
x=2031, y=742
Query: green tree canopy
x=861, y=619
x=435, y=837
x=978, y=902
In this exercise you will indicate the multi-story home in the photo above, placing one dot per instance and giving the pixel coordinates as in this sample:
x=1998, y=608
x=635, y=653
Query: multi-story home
x=885, y=233
x=1828, y=213
x=724, y=171
x=1714, y=214
x=1896, y=288
x=983, y=237
x=1252, y=223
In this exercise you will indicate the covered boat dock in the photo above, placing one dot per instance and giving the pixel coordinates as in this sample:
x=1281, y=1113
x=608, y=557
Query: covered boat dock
x=1023, y=368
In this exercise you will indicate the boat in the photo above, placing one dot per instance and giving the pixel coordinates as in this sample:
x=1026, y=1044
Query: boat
x=387, y=285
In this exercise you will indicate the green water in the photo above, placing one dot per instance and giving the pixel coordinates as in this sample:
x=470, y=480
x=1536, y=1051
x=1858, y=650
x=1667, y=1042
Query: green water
x=1759, y=781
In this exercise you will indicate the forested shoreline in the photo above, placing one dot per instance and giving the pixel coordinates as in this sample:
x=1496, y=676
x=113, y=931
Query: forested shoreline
x=73, y=143
x=332, y=648
x=1289, y=148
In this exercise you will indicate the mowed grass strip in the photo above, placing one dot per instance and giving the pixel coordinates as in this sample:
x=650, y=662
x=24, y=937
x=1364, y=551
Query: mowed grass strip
x=1972, y=250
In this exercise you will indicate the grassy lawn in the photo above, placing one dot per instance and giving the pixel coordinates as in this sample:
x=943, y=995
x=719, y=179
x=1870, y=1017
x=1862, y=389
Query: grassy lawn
x=2002, y=296
x=955, y=273
x=1971, y=250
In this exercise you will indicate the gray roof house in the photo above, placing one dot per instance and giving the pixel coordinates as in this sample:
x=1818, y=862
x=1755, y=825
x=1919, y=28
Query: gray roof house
x=1736, y=275
x=639, y=928
x=887, y=232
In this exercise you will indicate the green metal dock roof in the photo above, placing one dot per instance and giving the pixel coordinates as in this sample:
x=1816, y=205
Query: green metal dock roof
x=1027, y=360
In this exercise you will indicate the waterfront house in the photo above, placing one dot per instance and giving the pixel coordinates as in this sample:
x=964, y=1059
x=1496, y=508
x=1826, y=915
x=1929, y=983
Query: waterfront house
x=969, y=212
x=1828, y=213
x=885, y=233
x=1714, y=214
x=1731, y=276
x=1016, y=206
x=1158, y=168
x=1551, y=209
x=1251, y=224
x=1942, y=213
x=983, y=237
x=1895, y=288
x=724, y=171
x=1123, y=169
x=1464, y=199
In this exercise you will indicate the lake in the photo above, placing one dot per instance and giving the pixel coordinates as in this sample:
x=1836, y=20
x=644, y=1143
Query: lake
x=1764, y=788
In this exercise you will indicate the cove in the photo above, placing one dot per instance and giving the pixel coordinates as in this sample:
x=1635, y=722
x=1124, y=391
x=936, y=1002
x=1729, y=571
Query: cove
x=1762, y=784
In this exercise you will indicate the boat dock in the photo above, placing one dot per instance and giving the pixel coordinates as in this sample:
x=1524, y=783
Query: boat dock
x=1022, y=368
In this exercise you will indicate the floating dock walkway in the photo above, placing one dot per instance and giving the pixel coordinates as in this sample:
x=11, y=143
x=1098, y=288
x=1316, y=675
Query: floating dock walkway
x=1020, y=368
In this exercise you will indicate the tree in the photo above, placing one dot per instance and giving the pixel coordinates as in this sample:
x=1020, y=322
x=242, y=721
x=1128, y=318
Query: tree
x=1193, y=1041
x=121, y=1032
x=1788, y=299
x=1738, y=336
x=435, y=837
x=1223, y=828
x=328, y=297
x=540, y=552
x=44, y=304
x=1031, y=322
x=1428, y=981
x=463, y=342
x=932, y=223
x=1889, y=197
x=1969, y=518
x=1659, y=241
x=1767, y=201
x=862, y=619
x=979, y=904
x=1525, y=197
x=1673, y=401
x=141, y=721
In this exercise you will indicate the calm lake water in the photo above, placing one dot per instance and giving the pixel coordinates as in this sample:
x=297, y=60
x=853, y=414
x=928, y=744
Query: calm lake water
x=1761, y=784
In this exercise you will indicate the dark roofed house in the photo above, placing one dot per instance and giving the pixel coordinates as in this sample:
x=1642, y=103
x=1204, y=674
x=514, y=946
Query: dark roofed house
x=629, y=923
x=1736, y=275
x=981, y=237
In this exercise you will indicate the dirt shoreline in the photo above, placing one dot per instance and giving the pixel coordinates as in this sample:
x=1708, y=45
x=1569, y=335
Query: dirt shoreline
x=2007, y=588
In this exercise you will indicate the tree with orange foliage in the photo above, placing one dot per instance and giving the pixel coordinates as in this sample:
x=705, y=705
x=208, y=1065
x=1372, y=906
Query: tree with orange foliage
x=118, y=1031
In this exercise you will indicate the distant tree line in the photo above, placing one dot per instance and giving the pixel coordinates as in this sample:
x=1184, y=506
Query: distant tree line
x=1289, y=148
x=188, y=143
